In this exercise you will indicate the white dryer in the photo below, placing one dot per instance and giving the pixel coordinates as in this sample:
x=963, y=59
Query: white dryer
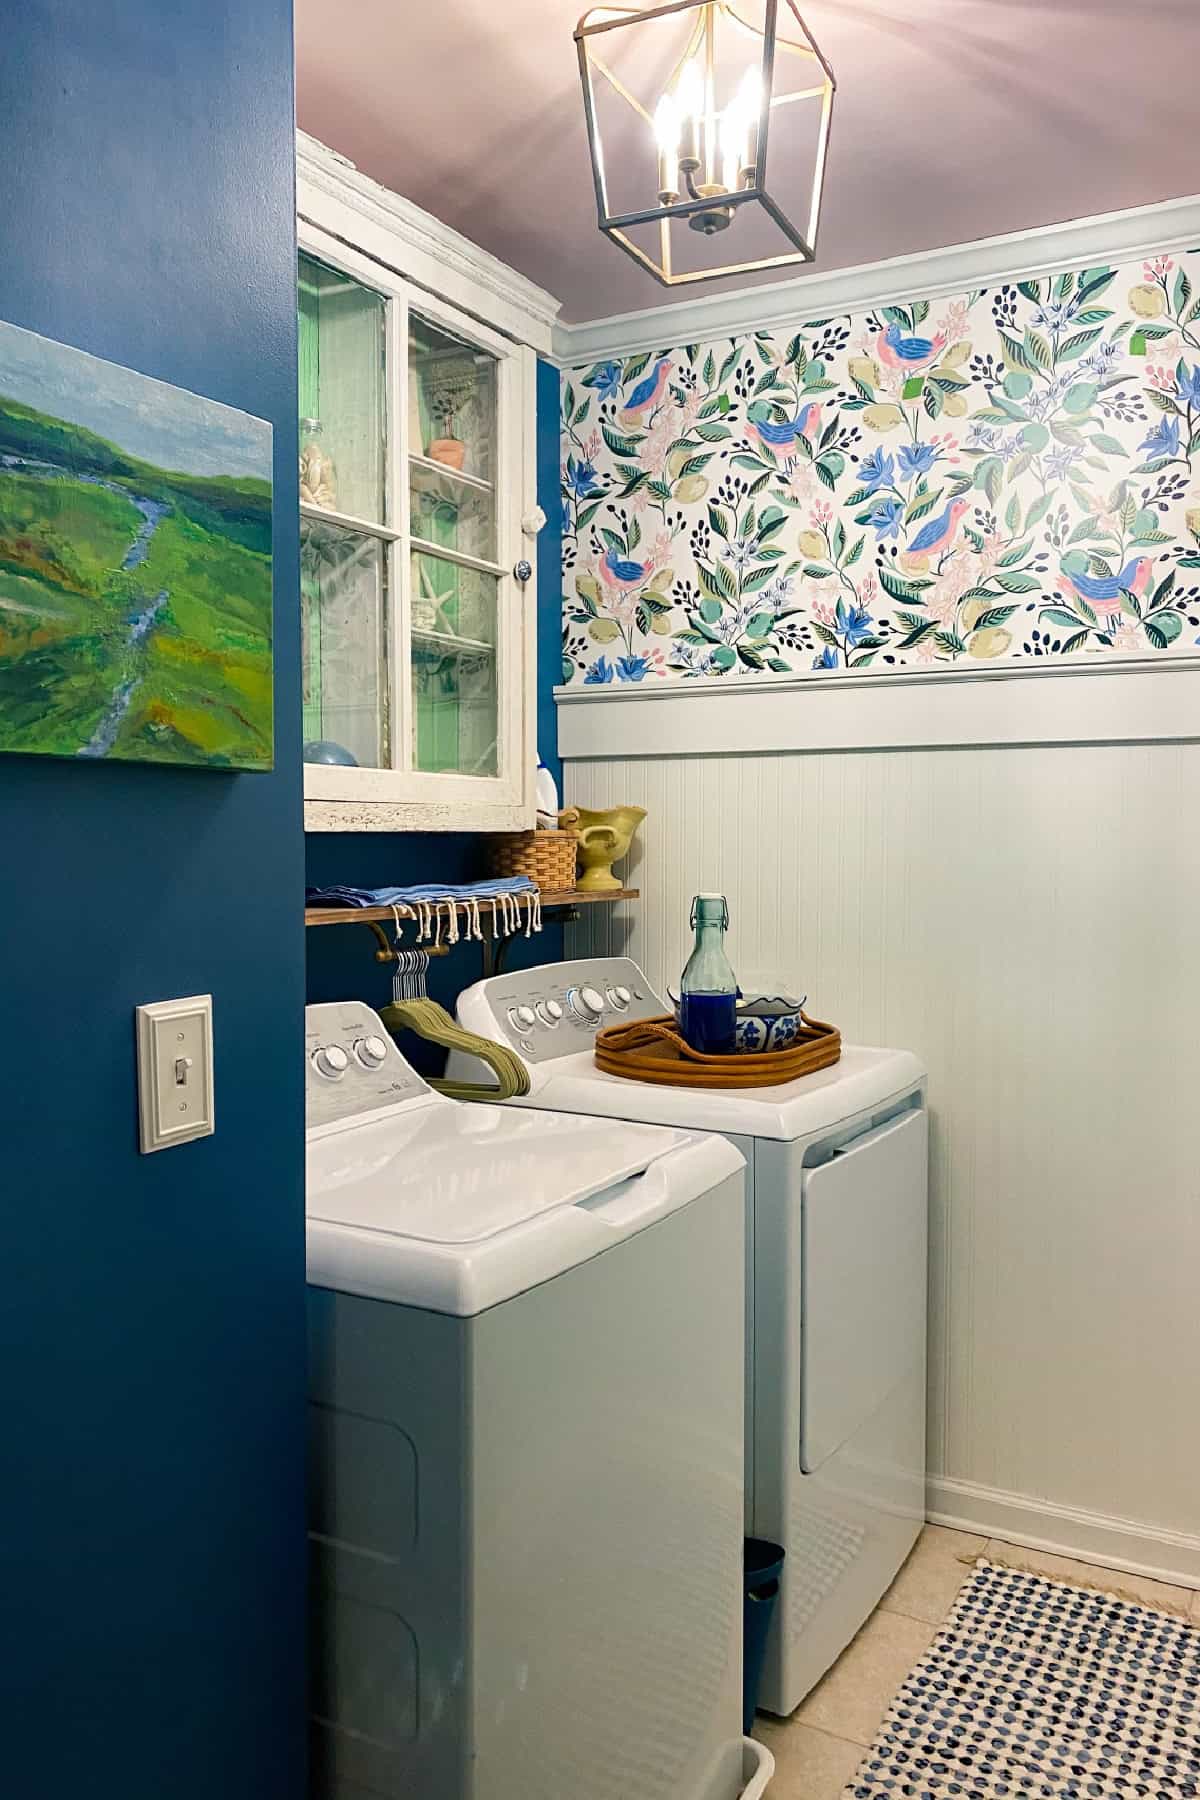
x=525, y=1516
x=836, y=1224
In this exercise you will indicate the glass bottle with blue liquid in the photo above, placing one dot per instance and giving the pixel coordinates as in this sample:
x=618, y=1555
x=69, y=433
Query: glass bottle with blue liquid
x=708, y=989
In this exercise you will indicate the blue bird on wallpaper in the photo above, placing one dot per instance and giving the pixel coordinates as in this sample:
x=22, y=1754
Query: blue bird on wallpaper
x=937, y=534
x=781, y=434
x=896, y=351
x=1103, y=592
x=647, y=394
x=622, y=572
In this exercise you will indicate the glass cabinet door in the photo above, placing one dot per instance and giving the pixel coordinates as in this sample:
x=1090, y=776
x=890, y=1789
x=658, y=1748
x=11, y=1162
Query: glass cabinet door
x=453, y=458
x=343, y=501
x=411, y=476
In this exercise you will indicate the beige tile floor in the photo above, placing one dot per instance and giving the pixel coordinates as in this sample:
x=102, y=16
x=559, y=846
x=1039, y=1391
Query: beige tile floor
x=818, y=1749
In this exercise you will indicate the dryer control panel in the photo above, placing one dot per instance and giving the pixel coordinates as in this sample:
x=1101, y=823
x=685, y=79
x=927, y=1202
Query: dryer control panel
x=556, y=1010
x=351, y=1065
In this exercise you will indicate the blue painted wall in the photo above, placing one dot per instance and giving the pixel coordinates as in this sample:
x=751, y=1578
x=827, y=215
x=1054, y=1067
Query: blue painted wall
x=340, y=961
x=151, y=1503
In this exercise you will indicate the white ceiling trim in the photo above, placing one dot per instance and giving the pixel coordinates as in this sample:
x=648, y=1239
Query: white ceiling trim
x=1017, y=255
x=381, y=220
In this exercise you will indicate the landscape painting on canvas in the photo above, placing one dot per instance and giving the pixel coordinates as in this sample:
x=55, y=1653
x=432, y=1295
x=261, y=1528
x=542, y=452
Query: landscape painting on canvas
x=135, y=565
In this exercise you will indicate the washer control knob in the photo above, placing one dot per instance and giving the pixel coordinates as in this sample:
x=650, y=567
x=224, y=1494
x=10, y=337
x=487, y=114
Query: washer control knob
x=592, y=1001
x=331, y=1061
x=526, y=1017
x=619, y=997
x=551, y=1012
x=370, y=1051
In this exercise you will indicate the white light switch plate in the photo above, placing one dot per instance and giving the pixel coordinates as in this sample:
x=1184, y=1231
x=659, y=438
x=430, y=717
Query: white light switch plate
x=175, y=1071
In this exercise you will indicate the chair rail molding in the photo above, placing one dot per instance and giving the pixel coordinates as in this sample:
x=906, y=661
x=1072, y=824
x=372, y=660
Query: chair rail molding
x=435, y=256
x=1164, y=226
x=1068, y=702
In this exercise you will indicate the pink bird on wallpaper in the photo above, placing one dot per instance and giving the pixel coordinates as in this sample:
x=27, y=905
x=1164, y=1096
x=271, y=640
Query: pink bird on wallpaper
x=1103, y=592
x=938, y=534
x=895, y=351
x=647, y=394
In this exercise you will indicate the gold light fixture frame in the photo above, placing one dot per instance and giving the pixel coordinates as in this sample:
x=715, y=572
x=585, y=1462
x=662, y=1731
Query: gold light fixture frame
x=590, y=34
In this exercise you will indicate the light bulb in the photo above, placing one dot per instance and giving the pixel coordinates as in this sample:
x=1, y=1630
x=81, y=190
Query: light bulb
x=733, y=138
x=666, y=131
x=749, y=95
x=689, y=104
x=742, y=115
x=691, y=91
x=666, y=125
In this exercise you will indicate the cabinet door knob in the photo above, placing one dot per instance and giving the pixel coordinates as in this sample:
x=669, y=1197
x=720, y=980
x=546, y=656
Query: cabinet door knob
x=523, y=570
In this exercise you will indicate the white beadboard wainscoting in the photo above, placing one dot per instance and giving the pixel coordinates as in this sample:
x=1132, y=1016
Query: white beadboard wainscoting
x=1028, y=920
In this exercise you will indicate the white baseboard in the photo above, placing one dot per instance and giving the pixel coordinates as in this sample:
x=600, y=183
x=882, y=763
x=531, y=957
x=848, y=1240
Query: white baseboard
x=1042, y=1525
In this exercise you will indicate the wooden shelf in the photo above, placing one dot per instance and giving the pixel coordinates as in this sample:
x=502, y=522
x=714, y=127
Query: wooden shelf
x=553, y=900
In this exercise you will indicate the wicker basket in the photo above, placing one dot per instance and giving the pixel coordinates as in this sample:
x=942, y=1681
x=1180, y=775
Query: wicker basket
x=652, y=1050
x=547, y=857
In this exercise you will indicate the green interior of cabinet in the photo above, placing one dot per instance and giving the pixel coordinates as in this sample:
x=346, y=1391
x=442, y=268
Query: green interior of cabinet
x=310, y=588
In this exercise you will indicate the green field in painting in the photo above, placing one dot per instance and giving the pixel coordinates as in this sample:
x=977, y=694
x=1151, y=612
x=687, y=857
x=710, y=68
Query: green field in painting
x=135, y=603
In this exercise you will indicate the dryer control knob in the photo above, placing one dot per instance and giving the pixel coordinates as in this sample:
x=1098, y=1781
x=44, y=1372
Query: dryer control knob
x=331, y=1061
x=370, y=1051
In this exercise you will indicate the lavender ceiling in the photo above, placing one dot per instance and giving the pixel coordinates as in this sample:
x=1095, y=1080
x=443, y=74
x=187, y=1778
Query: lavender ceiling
x=955, y=119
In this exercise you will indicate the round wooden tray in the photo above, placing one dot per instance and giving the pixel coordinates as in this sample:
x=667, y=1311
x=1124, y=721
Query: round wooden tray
x=652, y=1050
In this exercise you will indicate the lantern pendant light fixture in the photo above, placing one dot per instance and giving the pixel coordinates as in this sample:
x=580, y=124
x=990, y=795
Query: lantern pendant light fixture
x=684, y=103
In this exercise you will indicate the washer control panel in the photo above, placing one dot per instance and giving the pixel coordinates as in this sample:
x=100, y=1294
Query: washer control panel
x=556, y=1010
x=351, y=1064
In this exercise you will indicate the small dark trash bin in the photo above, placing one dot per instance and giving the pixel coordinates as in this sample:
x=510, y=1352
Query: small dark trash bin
x=762, y=1563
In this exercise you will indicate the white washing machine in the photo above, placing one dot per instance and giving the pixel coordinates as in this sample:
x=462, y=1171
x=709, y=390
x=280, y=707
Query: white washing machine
x=525, y=1514
x=836, y=1223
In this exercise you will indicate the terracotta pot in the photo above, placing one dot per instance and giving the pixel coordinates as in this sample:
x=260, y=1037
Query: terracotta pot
x=452, y=452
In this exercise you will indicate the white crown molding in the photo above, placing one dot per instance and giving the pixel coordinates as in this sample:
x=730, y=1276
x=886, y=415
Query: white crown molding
x=1139, y=231
x=1068, y=701
x=518, y=306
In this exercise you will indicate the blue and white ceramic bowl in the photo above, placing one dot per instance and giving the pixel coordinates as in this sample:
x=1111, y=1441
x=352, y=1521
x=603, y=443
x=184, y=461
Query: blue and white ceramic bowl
x=768, y=1021
x=764, y=1021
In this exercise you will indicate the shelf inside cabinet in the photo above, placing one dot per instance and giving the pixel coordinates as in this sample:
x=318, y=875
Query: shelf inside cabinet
x=443, y=482
x=327, y=515
x=449, y=643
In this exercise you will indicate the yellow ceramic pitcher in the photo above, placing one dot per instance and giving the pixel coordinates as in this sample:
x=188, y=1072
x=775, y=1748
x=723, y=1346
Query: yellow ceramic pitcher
x=605, y=837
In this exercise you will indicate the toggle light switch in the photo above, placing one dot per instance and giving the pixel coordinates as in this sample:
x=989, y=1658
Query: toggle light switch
x=175, y=1071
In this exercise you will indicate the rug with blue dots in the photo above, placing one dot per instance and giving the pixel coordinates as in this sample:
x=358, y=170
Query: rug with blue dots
x=1036, y=1690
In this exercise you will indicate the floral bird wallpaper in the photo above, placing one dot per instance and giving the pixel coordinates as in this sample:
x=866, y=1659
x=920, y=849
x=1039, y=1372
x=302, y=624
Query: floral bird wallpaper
x=1005, y=474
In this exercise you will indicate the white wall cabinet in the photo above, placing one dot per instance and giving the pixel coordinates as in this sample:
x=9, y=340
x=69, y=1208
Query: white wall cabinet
x=417, y=443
